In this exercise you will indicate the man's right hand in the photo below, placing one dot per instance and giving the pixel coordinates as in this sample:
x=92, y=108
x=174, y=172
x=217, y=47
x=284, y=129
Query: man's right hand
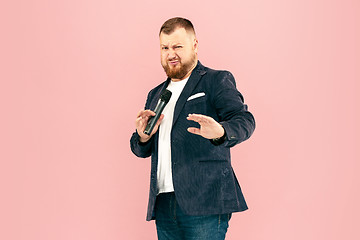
x=141, y=122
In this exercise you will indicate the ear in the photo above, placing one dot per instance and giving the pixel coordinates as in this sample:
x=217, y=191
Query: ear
x=195, y=45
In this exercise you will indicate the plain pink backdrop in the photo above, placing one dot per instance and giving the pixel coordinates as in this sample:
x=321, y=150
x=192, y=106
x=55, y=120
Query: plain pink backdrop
x=75, y=73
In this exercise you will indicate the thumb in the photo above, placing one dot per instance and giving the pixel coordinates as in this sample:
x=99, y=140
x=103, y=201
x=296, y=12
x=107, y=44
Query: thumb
x=160, y=119
x=194, y=130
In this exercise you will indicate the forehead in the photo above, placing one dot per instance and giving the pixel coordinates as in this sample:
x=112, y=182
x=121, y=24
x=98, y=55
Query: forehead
x=178, y=36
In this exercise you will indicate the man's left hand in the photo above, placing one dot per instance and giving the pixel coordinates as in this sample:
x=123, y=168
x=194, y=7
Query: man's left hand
x=209, y=128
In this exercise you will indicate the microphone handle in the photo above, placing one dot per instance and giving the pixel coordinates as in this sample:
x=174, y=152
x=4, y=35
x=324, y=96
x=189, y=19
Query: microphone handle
x=152, y=121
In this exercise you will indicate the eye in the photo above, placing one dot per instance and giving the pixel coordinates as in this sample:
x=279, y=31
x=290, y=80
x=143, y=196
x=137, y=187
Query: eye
x=178, y=46
x=164, y=48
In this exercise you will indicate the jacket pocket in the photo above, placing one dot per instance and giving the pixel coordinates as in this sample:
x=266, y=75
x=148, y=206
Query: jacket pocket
x=196, y=100
x=197, y=105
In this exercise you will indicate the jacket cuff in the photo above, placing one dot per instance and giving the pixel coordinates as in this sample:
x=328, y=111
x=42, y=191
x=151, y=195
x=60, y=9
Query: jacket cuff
x=137, y=139
x=220, y=140
x=231, y=137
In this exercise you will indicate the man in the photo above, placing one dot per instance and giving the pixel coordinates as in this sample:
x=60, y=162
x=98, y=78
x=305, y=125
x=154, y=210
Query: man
x=193, y=189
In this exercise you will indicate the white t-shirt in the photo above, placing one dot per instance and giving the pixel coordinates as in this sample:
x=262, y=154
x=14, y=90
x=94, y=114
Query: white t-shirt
x=164, y=172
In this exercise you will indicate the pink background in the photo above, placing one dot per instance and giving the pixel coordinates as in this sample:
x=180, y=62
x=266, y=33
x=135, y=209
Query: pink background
x=75, y=73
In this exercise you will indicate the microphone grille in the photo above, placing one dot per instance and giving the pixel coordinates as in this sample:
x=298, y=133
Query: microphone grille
x=165, y=96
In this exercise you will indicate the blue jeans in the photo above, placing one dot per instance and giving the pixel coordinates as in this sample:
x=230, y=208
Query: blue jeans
x=173, y=224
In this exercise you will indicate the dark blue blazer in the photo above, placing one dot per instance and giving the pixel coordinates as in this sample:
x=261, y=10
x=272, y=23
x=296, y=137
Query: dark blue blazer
x=203, y=178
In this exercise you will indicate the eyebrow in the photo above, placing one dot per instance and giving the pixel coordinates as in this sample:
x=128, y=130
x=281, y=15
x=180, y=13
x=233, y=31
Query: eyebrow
x=172, y=45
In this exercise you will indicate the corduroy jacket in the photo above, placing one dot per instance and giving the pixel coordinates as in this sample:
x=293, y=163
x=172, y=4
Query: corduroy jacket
x=203, y=178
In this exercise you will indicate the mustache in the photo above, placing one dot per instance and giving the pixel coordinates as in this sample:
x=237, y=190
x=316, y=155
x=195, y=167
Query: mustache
x=173, y=59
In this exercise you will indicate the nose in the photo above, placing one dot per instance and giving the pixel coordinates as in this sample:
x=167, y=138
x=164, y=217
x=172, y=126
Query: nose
x=171, y=54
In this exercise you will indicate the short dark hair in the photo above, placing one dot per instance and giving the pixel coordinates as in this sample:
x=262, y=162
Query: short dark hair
x=177, y=22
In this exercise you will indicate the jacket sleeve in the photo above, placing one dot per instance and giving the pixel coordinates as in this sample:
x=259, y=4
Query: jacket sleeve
x=138, y=148
x=233, y=114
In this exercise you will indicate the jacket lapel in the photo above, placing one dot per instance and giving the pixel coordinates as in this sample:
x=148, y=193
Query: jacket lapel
x=156, y=98
x=195, y=76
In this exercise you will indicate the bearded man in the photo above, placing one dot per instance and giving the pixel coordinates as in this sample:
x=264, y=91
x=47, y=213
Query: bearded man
x=193, y=188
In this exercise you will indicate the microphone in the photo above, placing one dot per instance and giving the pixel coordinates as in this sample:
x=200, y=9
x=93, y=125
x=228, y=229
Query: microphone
x=164, y=99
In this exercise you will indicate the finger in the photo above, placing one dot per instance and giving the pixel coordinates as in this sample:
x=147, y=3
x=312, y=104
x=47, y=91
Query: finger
x=137, y=121
x=140, y=124
x=146, y=113
x=161, y=118
x=141, y=119
x=140, y=112
x=198, y=118
x=194, y=130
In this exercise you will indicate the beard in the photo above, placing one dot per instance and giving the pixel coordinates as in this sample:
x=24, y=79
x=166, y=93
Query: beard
x=179, y=71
